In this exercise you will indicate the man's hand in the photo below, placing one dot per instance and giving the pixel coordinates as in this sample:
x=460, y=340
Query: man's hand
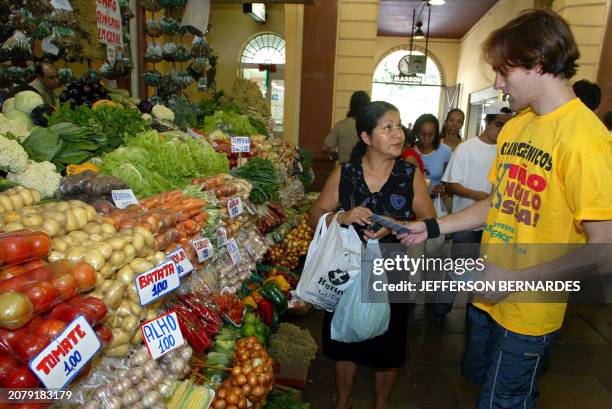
x=478, y=195
x=493, y=274
x=417, y=234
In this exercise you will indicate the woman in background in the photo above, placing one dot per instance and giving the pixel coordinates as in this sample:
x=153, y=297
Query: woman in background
x=434, y=153
x=451, y=131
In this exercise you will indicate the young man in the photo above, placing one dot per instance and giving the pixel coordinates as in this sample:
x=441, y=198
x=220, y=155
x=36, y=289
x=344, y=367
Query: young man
x=47, y=80
x=466, y=178
x=551, y=180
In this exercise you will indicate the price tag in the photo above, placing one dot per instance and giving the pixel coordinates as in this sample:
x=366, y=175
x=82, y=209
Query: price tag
x=234, y=252
x=49, y=47
x=203, y=248
x=249, y=250
x=111, y=54
x=183, y=265
x=221, y=237
x=241, y=144
x=61, y=5
x=66, y=355
x=123, y=198
x=162, y=334
x=251, y=208
x=157, y=282
x=234, y=207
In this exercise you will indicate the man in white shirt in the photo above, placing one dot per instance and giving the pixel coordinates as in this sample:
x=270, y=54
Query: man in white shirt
x=466, y=178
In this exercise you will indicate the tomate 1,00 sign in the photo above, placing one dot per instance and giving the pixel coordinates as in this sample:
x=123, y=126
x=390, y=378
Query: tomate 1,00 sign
x=156, y=282
x=108, y=13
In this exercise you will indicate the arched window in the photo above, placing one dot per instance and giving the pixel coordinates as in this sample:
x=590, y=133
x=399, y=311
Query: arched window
x=263, y=61
x=413, y=94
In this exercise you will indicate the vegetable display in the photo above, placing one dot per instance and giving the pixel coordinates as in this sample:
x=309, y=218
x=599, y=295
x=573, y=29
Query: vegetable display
x=263, y=177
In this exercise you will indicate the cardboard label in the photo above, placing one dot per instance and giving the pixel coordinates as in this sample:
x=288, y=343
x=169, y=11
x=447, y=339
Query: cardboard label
x=182, y=262
x=162, y=334
x=221, y=237
x=108, y=14
x=203, y=248
x=234, y=207
x=123, y=198
x=157, y=282
x=234, y=252
x=241, y=144
x=61, y=5
x=66, y=355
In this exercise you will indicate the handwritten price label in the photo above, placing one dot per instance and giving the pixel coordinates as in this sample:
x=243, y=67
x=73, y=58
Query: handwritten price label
x=182, y=262
x=203, y=248
x=234, y=207
x=123, y=198
x=234, y=252
x=221, y=237
x=162, y=335
x=157, y=282
x=66, y=355
x=241, y=144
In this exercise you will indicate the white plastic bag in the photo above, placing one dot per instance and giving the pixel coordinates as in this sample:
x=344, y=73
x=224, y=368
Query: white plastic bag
x=333, y=260
x=355, y=320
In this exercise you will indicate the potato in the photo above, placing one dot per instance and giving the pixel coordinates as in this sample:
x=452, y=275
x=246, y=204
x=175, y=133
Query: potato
x=140, y=265
x=2, y=209
x=71, y=222
x=11, y=216
x=81, y=216
x=94, y=258
x=35, y=195
x=132, y=294
x=26, y=196
x=118, y=351
x=91, y=228
x=136, y=308
x=108, y=228
x=61, y=206
x=117, y=259
x=59, y=244
x=124, y=309
x=15, y=310
x=80, y=236
x=159, y=257
x=6, y=203
x=17, y=201
x=114, y=295
x=95, y=237
x=13, y=226
x=107, y=285
x=91, y=212
x=107, y=270
x=51, y=227
x=100, y=279
x=151, y=314
x=104, y=248
x=32, y=220
x=75, y=254
x=137, y=339
x=56, y=256
x=120, y=337
x=130, y=253
x=116, y=243
x=126, y=275
x=138, y=243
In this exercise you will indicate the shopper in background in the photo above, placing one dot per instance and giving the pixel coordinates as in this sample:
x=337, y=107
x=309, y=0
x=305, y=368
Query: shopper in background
x=589, y=93
x=466, y=179
x=410, y=154
x=47, y=80
x=555, y=148
x=435, y=155
x=376, y=180
x=343, y=137
x=451, y=129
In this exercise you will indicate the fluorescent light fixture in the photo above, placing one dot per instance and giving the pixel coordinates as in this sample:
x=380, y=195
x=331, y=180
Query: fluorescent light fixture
x=257, y=11
x=437, y=2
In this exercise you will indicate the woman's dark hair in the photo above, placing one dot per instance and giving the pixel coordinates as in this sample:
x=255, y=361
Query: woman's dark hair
x=416, y=129
x=443, y=131
x=366, y=120
x=409, y=138
x=359, y=99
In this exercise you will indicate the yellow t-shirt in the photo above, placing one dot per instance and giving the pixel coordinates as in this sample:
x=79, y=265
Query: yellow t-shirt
x=551, y=173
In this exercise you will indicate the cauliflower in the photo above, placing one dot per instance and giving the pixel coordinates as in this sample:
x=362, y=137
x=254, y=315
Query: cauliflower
x=147, y=118
x=162, y=113
x=38, y=175
x=17, y=128
x=12, y=156
x=8, y=105
x=26, y=101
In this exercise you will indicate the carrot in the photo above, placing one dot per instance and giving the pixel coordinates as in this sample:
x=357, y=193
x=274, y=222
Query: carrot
x=190, y=226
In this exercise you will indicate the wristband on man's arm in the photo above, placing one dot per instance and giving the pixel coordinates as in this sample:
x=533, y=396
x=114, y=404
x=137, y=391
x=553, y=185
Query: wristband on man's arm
x=433, y=228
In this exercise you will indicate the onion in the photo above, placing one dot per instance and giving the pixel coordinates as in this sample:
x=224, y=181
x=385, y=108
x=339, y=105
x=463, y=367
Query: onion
x=113, y=402
x=118, y=388
x=102, y=392
x=258, y=391
x=131, y=396
x=139, y=358
x=150, y=399
x=157, y=376
x=135, y=375
x=186, y=353
x=165, y=389
x=150, y=366
x=176, y=367
x=144, y=386
x=92, y=404
x=232, y=398
x=252, y=379
x=241, y=379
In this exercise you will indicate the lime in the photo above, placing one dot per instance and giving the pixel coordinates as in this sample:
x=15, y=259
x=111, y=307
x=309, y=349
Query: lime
x=248, y=330
x=250, y=318
x=261, y=339
x=261, y=328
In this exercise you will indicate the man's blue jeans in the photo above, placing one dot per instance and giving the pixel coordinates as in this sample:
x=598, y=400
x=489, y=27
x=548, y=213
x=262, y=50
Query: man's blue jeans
x=504, y=363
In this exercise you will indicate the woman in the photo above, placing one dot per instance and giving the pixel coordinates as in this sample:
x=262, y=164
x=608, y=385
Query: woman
x=435, y=155
x=343, y=138
x=376, y=180
x=451, y=131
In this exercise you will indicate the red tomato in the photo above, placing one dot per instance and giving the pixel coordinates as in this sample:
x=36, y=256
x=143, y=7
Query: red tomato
x=17, y=284
x=85, y=276
x=42, y=295
x=65, y=285
x=64, y=312
x=6, y=339
x=7, y=365
x=51, y=328
x=12, y=271
x=42, y=273
x=29, y=346
x=104, y=333
x=60, y=267
x=97, y=305
x=16, y=246
x=41, y=244
x=30, y=265
x=20, y=377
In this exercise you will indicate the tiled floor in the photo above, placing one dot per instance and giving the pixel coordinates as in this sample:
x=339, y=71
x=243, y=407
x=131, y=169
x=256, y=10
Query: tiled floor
x=579, y=375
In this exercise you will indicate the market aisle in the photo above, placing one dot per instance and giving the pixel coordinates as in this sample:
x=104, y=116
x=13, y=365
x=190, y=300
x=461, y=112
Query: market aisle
x=576, y=378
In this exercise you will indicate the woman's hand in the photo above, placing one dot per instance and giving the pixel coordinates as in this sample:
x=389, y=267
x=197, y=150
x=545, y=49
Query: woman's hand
x=417, y=234
x=359, y=215
x=438, y=190
x=377, y=235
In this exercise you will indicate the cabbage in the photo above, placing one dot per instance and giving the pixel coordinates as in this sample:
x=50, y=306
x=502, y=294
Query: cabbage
x=8, y=106
x=20, y=117
x=26, y=101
